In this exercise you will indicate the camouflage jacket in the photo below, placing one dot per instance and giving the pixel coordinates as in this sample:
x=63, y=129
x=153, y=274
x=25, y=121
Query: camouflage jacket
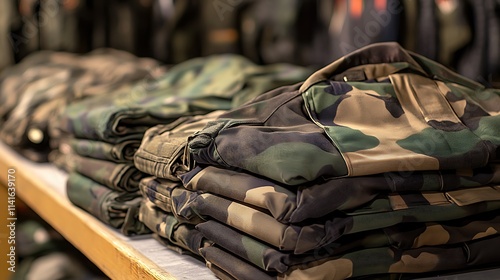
x=379, y=109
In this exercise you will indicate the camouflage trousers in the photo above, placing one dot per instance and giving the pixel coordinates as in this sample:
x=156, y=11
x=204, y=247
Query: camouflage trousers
x=316, y=199
x=366, y=262
x=115, y=208
x=119, y=153
x=342, y=121
x=402, y=236
x=162, y=152
x=116, y=176
x=301, y=238
x=176, y=235
x=382, y=212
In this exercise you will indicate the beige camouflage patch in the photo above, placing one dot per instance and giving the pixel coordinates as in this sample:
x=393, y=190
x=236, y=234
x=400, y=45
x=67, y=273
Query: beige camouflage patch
x=432, y=236
x=489, y=231
x=338, y=269
x=262, y=226
x=408, y=264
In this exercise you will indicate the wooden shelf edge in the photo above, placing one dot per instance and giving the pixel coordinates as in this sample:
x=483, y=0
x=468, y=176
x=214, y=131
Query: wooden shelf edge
x=111, y=254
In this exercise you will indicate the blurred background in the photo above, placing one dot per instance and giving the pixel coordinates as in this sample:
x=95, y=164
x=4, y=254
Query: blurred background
x=461, y=34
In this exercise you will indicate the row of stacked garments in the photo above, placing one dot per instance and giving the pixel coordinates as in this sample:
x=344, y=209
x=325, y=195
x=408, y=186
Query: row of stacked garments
x=461, y=34
x=382, y=163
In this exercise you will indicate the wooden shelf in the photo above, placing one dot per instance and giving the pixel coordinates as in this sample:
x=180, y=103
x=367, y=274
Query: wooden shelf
x=42, y=188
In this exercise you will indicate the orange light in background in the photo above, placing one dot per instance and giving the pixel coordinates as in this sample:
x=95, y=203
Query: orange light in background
x=356, y=8
x=381, y=5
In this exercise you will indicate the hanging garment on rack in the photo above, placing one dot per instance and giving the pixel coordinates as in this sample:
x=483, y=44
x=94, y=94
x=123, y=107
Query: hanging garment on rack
x=364, y=23
x=480, y=59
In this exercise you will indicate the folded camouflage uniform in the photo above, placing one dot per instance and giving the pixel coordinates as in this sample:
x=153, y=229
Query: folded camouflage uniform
x=379, y=109
x=382, y=212
x=163, y=149
x=228, y=266
x=402, y=236
x=321, y=197
x=370, y=261
x=178, y=235
x=116, y=176
x=194, y=87
x=119, y=153
x=18, y=77
x=51, y=80
x=114, y=208
x=170, y=197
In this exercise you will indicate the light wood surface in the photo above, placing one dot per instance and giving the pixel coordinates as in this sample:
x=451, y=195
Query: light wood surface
x=42, y=187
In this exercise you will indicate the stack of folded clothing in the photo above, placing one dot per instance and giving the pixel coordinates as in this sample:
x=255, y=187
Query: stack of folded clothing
x=99, y=135
x=35, y=90
x=383, y=162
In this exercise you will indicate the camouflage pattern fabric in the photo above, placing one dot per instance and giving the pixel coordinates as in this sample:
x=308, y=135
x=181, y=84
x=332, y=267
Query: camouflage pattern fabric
x=158, y=193
x=116, y=176
x=382, y=212
x=229, y=266
x=19, y=76
x=389, y=260
x=402, y=236
x=171, y=197
x=197, y=86
x=373, y=261
x=111, y=207
x=46, y=82
x=445, y=122
x=318, y=198
x=163, y=149
x=168, y=227
x=119, y=153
